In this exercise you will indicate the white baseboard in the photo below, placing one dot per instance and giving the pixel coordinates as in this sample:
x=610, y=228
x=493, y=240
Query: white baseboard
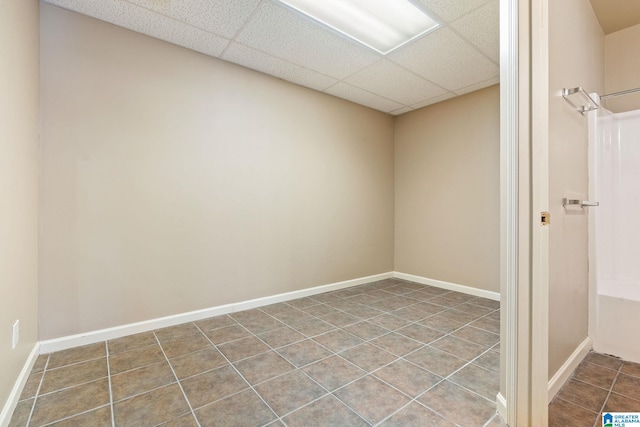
x=64, y=343
x=560, y=378
x=501, y=406
x=449, y=286
x=14, y=396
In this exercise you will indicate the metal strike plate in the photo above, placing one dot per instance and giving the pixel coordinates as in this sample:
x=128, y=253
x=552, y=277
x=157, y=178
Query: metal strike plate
x=545, y=218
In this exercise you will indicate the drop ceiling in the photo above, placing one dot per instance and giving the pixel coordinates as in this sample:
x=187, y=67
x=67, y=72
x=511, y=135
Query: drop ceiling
x=459, y=57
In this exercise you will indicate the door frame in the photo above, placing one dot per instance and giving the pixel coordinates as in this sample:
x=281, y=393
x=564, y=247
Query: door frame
x=524, y=194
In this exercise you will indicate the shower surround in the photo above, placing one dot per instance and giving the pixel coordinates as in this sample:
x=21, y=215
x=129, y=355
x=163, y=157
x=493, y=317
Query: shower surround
x=614, y=232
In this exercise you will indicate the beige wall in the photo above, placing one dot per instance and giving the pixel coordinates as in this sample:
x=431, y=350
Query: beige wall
x=172, y=181
x=576, y=58
x=447, y=191
x=18, y=184
x=622, y=68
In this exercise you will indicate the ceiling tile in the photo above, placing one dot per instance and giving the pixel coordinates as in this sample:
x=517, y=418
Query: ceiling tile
x=286, y=34
x=435, y=100
x=482, y=29
x=259, y=61
x=105, y=10
x=446, y=59
x=159, y=26
x=221, y=17
x=394, y=82
x=478, y=86
x=450, y=10
x=360, y=96
x=401, y=111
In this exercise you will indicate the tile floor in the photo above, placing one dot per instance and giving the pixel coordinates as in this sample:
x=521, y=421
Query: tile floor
x=600, y=383
x=389, y=353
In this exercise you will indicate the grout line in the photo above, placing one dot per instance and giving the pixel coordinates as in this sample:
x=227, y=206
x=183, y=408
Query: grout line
x=240, y=373
x=35, y=397
x=193, y=414
x=113, y=412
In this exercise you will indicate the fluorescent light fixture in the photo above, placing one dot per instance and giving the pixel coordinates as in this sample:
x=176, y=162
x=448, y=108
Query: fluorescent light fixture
x=382, y=25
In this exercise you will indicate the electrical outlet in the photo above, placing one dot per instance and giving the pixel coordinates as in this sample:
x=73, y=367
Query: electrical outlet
x=16, y=334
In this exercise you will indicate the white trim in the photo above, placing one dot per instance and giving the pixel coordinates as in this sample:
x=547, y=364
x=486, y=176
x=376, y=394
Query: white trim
x=92, y=337
x=14, y=396
x=501, y=406
x=560, y=378
x=447, y=285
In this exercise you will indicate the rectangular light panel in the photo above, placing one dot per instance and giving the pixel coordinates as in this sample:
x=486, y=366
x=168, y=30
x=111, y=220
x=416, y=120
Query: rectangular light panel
x=382, y=25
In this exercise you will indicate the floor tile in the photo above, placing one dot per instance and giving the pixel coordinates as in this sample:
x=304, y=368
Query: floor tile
x=141, y=380
x=325, y=412
x=338, y=340
x=583, y=394
x=213, y=385
x=135, y=358
x=313, y=327
x=263, y=367
x=289, y=392
x=151, y=408
x=336, y=344
x=482, y=381
x=41, y=363
x=320, y=310
x=448, y=321
x=185, y=345
x=489, y=360
x=407, y=377
x=31, y=386
x=631, y=368
x=21, y=413
x=215, y=322
x=595, y=374
x=244, y=409
x=226, y=334
x=341, y=319
x=396, y=343
x=436, y=361
x=334, y=372
x=461, y=348
x=304, y=352
x=100, y=417
x=619, y=403
x=478, y=336
x=197, y=362
x=177, y=332
x=256, y=321
x=487, y=324
x=186, y=420
x=372, y=399
x=119, y=345
x=485, y=302
x=79, y=373
x=420, y=333
x=418, y=311
x=366, y=330
x=243, y=348
x=390, y=322
x=75, y=355
x=281, y=337
x=458, y=405
x=627, y=385
x=563, y=414
x=604, y=360
x=71, y=401
x=368, y=357
x=292, y=316
x=416, y=415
